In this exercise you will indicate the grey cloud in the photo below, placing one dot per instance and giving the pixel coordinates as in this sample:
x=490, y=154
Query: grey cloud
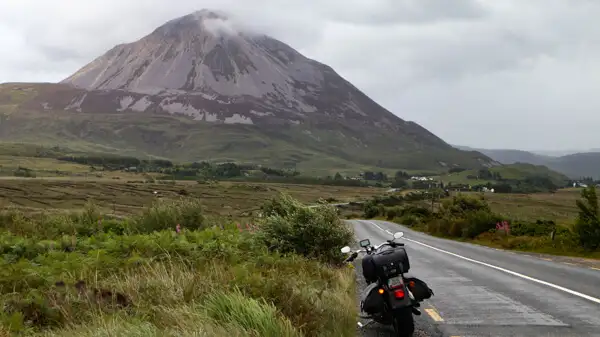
x=482, y=73
x=392, y=12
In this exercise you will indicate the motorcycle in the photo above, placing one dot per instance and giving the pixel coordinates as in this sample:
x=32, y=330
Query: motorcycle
x=390, y=297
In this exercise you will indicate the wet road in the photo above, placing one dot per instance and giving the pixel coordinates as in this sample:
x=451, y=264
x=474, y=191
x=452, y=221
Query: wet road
x=481, y=291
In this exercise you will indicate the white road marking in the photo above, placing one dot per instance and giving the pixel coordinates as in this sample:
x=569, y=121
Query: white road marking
x=529, y=278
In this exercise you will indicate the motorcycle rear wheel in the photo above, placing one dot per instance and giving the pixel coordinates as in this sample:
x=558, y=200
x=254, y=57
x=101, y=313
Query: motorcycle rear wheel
x=404, y=323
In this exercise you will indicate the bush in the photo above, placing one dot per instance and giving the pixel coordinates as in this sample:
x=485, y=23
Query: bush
x=392, y=213
x=416, y=211
x=370, y=211
x=291, y=227
x=478, y=222
x=538, y=228
x=408, y=220
x=165, y=214
x=460, y=204
x=461, y=216
x=587, y=224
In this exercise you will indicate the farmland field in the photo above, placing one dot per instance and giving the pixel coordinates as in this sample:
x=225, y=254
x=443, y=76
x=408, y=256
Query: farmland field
x=559, y=207
x=126, y=197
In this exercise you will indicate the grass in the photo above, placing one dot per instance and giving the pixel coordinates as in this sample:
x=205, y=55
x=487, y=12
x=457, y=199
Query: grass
x=532, y=245
x=559, y=207
x=123, y=198
x=10, y=163
x=66, y=275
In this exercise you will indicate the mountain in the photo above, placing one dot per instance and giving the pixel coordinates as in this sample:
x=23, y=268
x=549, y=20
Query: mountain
x=202, y=87
x=575, y=166
x=560, y=153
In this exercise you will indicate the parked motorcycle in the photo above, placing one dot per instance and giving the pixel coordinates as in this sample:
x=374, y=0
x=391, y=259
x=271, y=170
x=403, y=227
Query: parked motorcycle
x=390, y=298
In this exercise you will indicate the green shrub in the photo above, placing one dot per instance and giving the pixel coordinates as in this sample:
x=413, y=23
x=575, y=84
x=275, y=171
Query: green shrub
x=408, y=220
x=392, y=212
x=478, y=222
x=166, y=214
x=459, y=204
x=291, y=227
x=418, y=211
x=587, y=224
x=370, y=211
x=538, y=228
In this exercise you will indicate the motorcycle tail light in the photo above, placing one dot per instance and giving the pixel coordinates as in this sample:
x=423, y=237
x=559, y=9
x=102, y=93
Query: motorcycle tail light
x=399, y=294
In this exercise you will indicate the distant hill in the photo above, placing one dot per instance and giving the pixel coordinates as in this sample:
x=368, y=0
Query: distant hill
x=577, y=165
x=519, y=171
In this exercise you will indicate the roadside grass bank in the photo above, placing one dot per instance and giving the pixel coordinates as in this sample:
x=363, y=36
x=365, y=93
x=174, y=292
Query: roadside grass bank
x=85, y=274
x=469, y=218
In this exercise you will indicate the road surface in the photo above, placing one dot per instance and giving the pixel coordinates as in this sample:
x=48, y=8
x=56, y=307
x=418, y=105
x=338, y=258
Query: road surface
x=481, y=291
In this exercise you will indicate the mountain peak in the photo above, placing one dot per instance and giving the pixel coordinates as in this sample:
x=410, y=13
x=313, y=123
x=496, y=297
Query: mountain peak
x=199, y=22
x=204, y=14
x=205, y=52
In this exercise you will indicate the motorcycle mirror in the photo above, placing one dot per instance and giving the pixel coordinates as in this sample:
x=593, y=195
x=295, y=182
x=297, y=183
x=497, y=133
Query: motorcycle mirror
x=365, y=243
x=398, y=235
x=346, y=250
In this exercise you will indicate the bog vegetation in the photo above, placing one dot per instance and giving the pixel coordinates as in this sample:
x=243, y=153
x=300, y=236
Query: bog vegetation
x=470, y=217
x=174, y=271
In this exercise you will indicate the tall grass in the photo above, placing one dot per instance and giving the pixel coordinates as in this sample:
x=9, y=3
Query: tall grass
x=141, y=278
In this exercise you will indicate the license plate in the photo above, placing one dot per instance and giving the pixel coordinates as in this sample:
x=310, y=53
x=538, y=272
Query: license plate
x=394, y=282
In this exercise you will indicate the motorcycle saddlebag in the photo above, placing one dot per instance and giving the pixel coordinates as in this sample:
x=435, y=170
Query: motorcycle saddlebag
x=418, y=288
x=371, y=301
x=391, y=262
x=368, y=269
x=387, y=263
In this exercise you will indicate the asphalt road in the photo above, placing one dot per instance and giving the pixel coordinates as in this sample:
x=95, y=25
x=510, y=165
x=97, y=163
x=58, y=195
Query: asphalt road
x=481, y=291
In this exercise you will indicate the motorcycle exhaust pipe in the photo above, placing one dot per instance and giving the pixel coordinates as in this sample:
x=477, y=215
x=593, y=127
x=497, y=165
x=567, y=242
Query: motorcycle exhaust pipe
x=362, y=326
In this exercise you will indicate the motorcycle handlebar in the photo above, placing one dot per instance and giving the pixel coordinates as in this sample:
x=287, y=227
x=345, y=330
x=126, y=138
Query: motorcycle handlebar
x=390, y=243
x=351, y=257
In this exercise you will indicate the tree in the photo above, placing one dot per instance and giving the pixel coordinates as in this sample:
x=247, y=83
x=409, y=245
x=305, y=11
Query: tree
x=401, y=175
x=338, y=176
x=399, y=183
x=380, y=176
x=587, y=225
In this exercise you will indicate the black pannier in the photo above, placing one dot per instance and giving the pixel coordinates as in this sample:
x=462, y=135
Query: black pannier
x=372, y=302
x=368, y=269
x=419, y=288
x=387, y=263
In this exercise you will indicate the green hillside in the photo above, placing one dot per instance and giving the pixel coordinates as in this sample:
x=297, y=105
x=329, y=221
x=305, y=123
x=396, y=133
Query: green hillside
x=314, y=146
x=515, y=174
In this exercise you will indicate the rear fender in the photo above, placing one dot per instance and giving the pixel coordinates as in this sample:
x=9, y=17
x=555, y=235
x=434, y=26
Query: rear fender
x=398, y=303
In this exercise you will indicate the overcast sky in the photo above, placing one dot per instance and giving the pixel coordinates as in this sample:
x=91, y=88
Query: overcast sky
x=484, y=73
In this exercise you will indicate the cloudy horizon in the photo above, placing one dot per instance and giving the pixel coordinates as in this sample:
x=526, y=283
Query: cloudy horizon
x=511, y=74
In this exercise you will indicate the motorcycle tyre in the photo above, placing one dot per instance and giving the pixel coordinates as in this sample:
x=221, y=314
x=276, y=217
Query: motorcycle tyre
x=403, y=323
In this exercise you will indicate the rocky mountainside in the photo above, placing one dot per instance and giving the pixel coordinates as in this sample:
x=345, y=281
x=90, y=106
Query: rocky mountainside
x=575, y=166
x=201, y=87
